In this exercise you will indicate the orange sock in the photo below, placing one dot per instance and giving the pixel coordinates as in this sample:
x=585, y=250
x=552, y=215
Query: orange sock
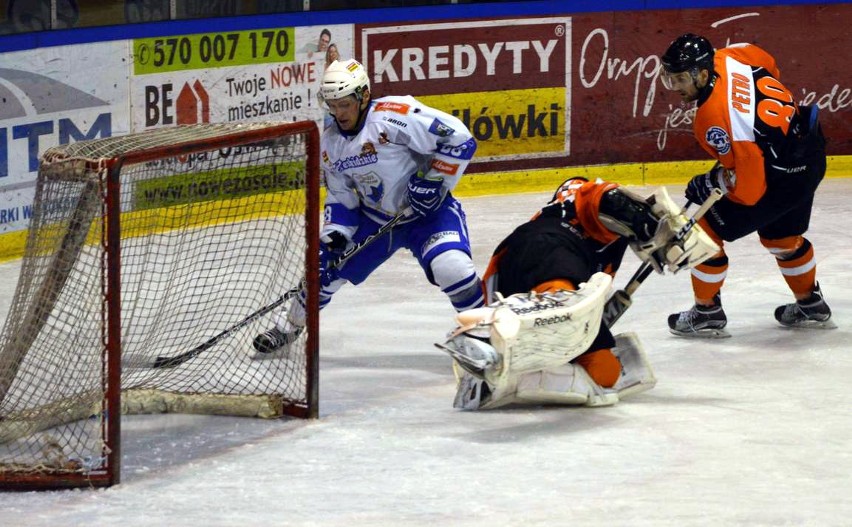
x=555, y=285
x=601, y=365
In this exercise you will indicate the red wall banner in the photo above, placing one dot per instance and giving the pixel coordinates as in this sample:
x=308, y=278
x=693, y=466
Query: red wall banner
x=584, y=89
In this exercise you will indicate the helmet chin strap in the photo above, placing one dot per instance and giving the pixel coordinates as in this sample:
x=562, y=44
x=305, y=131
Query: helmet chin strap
x=704, y=92
x=362, y=113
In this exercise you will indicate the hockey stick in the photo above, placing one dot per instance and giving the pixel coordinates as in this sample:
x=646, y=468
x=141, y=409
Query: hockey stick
x=170, y=362
x=622, y=299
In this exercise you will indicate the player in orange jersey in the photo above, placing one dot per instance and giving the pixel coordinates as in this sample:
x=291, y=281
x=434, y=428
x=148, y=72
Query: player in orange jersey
x=771, y=155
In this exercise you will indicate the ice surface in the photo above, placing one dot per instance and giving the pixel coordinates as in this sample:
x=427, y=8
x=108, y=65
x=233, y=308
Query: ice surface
x=751, y=430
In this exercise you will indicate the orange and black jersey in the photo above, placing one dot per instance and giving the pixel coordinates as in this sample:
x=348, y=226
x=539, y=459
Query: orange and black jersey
x=565, y=240
x=745, y=120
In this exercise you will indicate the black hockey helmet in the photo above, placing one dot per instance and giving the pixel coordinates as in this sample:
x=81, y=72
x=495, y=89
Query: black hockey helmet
x=688, y=51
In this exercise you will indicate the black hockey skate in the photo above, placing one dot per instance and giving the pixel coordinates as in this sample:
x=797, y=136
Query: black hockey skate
x=811, y=312
x=274, y=339
x=700, y=322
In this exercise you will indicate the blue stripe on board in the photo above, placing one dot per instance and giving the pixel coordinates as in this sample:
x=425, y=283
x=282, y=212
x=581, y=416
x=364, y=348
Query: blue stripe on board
x=363, y=16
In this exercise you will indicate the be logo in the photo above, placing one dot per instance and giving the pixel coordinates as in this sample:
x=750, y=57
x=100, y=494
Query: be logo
x=191, y=106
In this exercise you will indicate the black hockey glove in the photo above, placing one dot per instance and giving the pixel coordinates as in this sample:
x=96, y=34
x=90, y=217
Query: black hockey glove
x=701, y=186
x=332, y=245
x=424, y=195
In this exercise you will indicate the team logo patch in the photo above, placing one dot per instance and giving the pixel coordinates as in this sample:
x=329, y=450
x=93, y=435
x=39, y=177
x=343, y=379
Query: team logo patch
x=370, y=186
x=718, y=138
x=462, y=151
x=440, y=129
x=392, y=107
x=440, y=238
x=397, y=122
x=447, y=168
x=368, y=156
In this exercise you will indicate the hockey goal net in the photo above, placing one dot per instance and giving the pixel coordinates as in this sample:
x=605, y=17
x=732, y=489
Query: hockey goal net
x=168, y=244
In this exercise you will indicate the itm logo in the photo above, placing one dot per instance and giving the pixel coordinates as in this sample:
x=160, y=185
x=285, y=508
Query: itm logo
x=28, y=101
x=192, y=105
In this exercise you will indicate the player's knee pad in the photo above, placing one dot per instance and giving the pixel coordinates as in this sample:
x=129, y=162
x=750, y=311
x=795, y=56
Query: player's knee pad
x=454, y=272
x=786, y=248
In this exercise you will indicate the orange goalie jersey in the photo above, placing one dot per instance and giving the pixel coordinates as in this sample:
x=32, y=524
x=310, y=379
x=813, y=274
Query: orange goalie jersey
x=746, y=118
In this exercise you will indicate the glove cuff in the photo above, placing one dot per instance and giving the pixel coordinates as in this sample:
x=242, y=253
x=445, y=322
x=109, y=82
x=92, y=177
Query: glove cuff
x=336, y=241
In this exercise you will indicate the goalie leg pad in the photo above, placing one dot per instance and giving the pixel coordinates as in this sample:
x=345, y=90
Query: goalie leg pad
x=568, y=384
x=535, y=331
x=636, y=373
x=529, y=331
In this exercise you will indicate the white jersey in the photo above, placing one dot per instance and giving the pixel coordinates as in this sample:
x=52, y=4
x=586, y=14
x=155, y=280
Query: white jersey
x=370, y=169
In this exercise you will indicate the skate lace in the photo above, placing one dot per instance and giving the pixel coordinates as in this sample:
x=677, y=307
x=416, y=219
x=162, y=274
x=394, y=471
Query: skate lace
x=814, y=309
x=793, y=311
x=689, y=316
x=280, y=338
x=276, y=337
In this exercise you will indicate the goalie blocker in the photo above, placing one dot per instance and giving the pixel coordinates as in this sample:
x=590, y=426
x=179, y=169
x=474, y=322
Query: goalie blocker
x=519, y=350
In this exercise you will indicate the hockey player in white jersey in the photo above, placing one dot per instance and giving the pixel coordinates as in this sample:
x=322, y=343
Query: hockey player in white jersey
x=379, y=158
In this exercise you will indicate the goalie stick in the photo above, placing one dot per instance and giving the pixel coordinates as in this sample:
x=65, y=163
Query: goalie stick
x=170, y=362
x=622, y=299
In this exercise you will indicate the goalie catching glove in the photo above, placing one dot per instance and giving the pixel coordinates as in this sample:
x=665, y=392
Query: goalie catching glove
x=653, y=227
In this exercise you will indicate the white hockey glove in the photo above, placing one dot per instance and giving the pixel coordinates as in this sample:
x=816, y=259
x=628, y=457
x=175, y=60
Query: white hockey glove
x=665, y=248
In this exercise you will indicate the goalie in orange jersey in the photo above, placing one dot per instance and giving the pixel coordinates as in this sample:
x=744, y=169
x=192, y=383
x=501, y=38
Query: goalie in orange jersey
x=771, y=154
x=541, y=339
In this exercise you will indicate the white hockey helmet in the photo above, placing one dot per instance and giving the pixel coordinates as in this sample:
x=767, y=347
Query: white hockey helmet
x=344, y=78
